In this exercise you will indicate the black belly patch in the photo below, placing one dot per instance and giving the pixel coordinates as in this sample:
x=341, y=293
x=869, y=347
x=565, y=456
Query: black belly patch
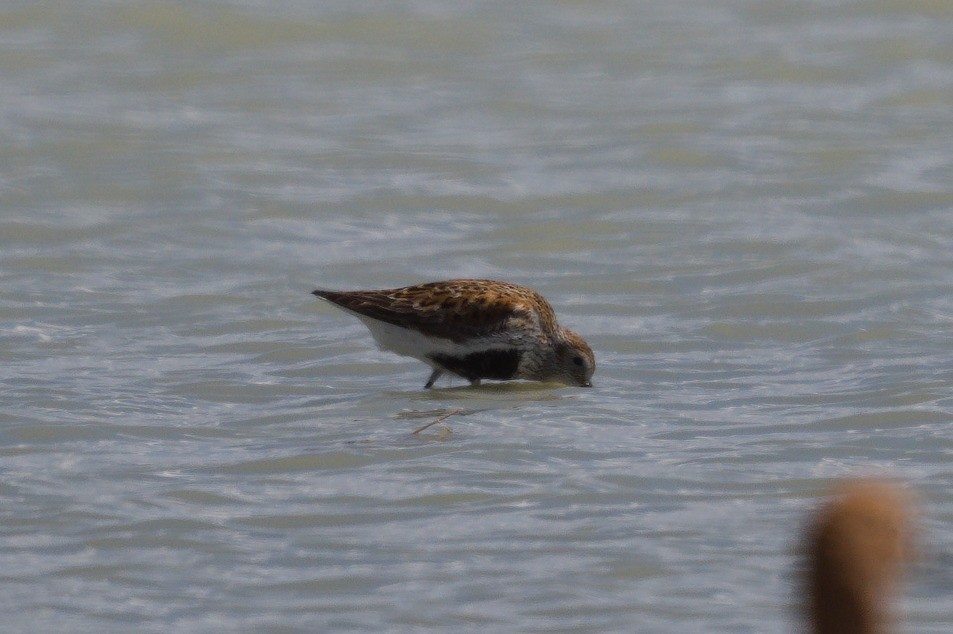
x=491, y=364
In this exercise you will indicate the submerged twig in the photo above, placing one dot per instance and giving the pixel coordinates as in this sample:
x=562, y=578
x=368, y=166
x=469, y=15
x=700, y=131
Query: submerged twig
x=438, y=419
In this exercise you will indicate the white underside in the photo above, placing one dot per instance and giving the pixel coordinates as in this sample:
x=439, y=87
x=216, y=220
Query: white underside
x=414, y=344
x=411, y=343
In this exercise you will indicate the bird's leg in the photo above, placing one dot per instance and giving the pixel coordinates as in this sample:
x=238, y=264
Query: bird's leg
x=433, y=378
x=475, y=383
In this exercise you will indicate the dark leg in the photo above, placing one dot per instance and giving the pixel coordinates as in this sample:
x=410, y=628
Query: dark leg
x=475, y=383
x=433, y=377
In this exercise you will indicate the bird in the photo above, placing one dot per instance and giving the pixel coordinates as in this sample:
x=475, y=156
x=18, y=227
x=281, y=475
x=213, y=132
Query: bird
x=857, y=545
x=472, y=328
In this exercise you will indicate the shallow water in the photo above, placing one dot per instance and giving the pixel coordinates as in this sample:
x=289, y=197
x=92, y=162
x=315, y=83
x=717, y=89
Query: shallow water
x=745, y=207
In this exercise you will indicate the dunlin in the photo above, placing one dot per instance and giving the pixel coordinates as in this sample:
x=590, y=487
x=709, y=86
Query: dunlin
x=476, y=329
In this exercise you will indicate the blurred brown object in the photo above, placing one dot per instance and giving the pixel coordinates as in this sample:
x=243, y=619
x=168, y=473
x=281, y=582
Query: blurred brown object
x=858, y=544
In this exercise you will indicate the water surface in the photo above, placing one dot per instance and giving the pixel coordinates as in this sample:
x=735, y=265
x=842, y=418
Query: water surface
x=746, y=208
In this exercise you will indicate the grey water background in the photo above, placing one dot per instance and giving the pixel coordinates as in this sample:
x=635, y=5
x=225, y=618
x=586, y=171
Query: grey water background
x=746, y=207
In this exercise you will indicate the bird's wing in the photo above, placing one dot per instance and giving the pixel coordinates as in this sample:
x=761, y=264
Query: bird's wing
x=455, y=309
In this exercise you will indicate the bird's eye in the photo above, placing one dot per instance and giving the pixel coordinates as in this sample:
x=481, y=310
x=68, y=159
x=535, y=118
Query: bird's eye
x=577, y=360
